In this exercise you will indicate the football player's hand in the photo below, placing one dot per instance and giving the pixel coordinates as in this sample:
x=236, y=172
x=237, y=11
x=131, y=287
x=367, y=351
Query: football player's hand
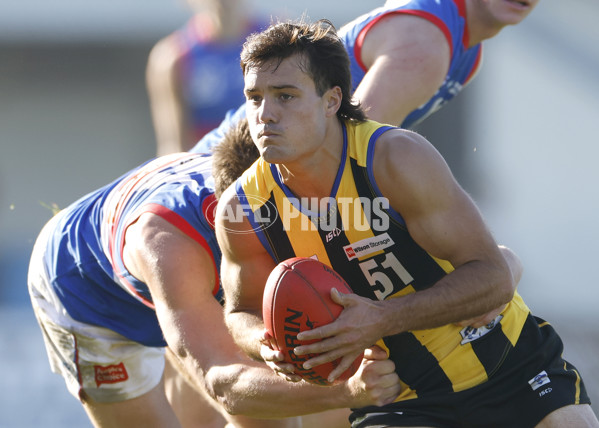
x=341, y=338
x=275, y=359
x=376, y=382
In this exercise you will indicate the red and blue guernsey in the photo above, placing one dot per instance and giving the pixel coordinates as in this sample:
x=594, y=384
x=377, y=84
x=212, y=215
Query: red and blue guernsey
x=450, y=17
x=84, y=255
x=211, y=78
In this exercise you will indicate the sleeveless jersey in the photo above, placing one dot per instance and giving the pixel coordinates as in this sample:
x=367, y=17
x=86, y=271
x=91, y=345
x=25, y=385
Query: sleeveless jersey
x=450, y=17
x=367, y=243
x=84, y=255
x=211, y=77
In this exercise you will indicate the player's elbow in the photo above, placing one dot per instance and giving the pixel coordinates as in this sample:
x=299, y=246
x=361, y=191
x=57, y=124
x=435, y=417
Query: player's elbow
x=226, y=385
x=505, y=284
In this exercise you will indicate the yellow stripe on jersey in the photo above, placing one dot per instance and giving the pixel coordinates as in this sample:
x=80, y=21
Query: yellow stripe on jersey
x=459, y=362
x=577, y=395
x=354, y=220
x=514, y=317
x=464, y=369
x=406, y=393
x=403, y=292
x=445, y=265
x=307, y=242
x=257, y=191
x=361, y=135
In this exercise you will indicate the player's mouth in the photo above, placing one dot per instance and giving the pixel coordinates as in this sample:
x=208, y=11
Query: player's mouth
x=523, y=4
x=266, y=133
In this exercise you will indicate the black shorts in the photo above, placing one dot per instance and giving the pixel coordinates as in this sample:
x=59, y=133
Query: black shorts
x=533, y=381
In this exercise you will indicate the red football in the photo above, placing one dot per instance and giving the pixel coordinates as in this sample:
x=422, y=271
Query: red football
x=297, y=297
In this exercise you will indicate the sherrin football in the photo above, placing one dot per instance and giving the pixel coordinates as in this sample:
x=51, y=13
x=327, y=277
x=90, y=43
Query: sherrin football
x=297, y=297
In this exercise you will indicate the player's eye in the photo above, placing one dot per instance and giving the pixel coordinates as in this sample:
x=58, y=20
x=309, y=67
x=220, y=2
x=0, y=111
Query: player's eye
x=256, y=99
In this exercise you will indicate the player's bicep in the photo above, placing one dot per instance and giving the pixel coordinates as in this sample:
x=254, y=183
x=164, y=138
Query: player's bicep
x=172, y=264
x=245, y=263
x=242, y=291
x=405, y=70
x=452, y=229
x=439, y=214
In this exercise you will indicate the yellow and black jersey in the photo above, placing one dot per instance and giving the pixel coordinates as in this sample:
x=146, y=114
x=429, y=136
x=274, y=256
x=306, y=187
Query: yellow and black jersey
x=356, y=232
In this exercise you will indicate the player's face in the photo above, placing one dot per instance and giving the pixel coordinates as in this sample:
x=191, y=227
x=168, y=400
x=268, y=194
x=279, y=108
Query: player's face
x=286, y=116
x=508, y=12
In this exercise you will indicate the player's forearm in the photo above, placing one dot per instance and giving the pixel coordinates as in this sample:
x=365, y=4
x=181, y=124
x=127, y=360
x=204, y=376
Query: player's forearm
x=246, y=329
x=473, y=289
x=257, y=392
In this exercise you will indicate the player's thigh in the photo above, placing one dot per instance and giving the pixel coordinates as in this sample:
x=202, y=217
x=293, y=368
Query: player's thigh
x=573, y=416
x=151, y=410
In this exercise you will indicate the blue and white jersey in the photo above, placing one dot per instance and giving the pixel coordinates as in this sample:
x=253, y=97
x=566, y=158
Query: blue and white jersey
x=84, y=257
x=450, y=17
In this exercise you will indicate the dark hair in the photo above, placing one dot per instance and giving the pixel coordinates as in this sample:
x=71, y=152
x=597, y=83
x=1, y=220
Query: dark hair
x=323, y=54
x=233, y=155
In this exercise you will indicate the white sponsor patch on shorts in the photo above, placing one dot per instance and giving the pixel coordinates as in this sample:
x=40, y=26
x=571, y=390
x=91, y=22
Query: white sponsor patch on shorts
x=368, y=246
x=539, y=380
x=110, y=374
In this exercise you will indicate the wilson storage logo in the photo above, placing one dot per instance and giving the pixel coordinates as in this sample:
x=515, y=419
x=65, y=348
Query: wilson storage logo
x=368, y=246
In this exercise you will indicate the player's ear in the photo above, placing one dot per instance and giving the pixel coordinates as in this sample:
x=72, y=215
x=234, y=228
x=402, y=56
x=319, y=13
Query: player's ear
x=333, y=99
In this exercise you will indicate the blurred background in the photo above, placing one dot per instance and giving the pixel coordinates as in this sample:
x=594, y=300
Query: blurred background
x=521, y=139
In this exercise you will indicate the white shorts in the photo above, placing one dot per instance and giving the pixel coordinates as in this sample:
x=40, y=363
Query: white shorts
x=105, y=365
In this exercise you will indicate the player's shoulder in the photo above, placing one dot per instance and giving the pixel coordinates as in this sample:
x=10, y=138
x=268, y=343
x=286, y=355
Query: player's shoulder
x=383, y=134
x=229, y=210
x=406, y=136
x=167, y=54
x=398, y=23
x=401, y=151
x=228, y=197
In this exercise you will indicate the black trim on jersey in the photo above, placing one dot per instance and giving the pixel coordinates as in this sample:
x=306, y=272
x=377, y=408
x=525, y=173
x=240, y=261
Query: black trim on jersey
x=339, y=262
x=433, y=379
x=363, y=185
x=276, y=235
x=486, y=349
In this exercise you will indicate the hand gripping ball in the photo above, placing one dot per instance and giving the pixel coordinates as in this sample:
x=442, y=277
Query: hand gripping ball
x=297, y=297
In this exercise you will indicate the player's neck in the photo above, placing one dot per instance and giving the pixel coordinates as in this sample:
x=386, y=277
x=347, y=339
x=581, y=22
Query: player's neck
x=313, y=176
x=304, y=183
x=480, y=25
